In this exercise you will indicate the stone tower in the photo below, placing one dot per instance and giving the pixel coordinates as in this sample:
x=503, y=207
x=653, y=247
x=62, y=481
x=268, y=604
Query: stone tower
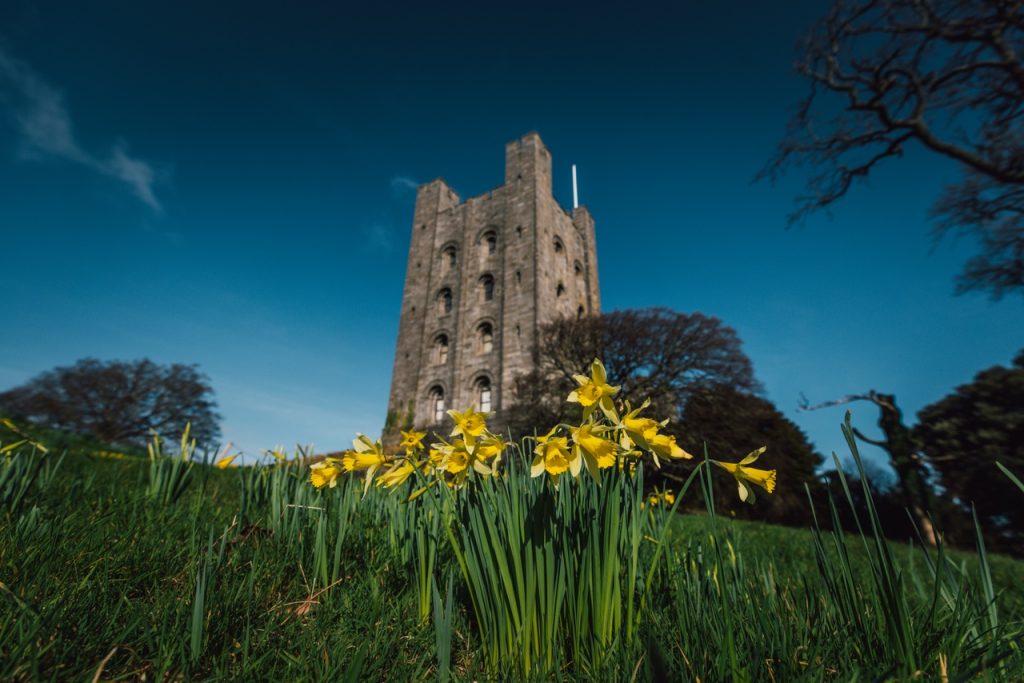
x=483, y=275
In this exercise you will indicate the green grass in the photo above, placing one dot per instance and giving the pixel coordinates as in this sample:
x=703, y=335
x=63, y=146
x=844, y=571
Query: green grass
x=95, y=577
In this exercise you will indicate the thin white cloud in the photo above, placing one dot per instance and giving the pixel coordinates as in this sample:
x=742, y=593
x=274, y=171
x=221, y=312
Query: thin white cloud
x=380, y=236
x=45, y=131
x=403, y=183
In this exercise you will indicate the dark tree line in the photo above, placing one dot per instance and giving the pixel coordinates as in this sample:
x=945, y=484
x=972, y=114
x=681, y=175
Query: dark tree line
x=118, y=402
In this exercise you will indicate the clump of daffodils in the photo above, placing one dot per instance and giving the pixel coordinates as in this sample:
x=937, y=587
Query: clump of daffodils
x=661, y=498
x=604, y=438
x=475, y=449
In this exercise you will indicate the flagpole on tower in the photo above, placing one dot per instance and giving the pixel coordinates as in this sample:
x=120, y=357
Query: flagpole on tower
x=575, y=194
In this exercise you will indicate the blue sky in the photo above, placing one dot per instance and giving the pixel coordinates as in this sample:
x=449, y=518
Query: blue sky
x=231, y=184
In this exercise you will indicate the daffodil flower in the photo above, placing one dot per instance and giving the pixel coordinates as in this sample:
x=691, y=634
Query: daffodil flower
x=225, y=462
x=643, y=431
x=594, y=391
x=488, y=448
x=553, y=456
x=324, y=473
x=665, y=445
x=454, y=457
x=745, y=476
x=397, y=475
x=665, y=498
x=634, y=427
x=469, y=424
x=367, y=455
x=412, y=441
x=598, y=452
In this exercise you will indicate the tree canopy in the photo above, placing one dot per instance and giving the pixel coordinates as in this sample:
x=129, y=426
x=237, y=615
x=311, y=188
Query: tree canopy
x=946, y=75
x=966, y=433
x=653, y=353
x=118, y=401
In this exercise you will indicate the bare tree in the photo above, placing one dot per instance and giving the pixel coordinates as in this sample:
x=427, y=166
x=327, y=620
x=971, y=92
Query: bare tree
x=943, y=74
x=118, y=402
x=904, y=456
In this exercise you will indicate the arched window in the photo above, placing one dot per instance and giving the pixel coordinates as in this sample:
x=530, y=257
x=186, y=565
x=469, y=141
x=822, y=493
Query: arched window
x=519, y=231
x=444, y=301
x=488, y=244
x=579, y=313
x=519, y=277
x=560, y=290
x=441, y=349
x=450, y=258
x=559, y=247
x=483, y=394
x=437, y=404
x=485, y=333
x=487, y=287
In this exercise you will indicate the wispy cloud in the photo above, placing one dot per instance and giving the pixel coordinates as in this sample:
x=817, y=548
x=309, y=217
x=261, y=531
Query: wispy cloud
x=401, y=183
x=380, y=236
x=44, y=125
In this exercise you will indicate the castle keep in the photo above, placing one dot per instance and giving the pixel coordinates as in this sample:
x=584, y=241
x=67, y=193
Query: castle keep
x=483, y=275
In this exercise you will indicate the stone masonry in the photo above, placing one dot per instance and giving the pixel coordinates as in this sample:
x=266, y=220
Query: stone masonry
x=483, y=275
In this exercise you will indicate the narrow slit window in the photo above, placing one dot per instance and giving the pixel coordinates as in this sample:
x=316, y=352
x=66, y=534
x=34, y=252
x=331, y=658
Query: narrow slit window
x=486, y=332
x=437, y=404
x=450, y=258
x=444, y=302
x=483, y=388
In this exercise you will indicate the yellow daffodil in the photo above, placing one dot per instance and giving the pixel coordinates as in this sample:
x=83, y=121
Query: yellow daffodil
x=435, y=457
x=664, y=498
x=324, y=473
x=666, y=446
x=643, y=431
x=598, y=452
x=594, y=391
x=469, y=424
x=455, y=457
x=635, y=427
x=397, y=475
x=490, y=446
x=225, y=462
x=745, y=476
x=553, y=456
x=412, y=441
x=367, y=455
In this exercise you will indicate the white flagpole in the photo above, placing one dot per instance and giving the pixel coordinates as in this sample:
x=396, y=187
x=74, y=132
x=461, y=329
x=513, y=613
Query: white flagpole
x=575, y=194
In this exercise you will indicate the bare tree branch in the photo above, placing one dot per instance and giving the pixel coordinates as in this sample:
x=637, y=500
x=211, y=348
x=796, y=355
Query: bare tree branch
x=944, y=74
